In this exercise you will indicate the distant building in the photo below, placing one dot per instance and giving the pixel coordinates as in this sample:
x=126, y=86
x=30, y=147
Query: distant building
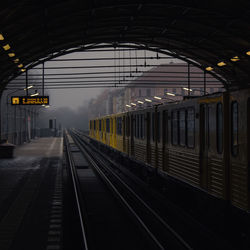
x=156, y=82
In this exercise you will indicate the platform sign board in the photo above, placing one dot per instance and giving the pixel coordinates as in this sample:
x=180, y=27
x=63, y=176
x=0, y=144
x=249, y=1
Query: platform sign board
x=30, y=100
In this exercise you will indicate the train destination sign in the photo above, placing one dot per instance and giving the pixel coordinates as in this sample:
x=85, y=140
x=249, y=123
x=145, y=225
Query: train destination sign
x=30, y=100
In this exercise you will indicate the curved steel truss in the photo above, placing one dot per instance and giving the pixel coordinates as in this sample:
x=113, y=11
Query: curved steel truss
x=204, y=34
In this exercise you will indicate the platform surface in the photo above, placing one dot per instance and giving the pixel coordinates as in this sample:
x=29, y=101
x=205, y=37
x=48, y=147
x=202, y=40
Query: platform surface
x=30, y=196
x=42, y=147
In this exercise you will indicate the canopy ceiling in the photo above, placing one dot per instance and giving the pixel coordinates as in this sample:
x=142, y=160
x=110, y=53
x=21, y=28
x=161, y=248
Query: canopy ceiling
x=207, y=32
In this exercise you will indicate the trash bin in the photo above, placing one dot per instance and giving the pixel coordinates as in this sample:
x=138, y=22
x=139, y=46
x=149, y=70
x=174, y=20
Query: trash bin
x=6, y=149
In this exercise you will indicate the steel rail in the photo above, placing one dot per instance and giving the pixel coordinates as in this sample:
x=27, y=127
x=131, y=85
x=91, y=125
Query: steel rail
x=141, y=201
x=76, y=192
x=115, y=190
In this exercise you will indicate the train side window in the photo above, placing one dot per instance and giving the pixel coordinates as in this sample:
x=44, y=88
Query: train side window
x=234, y=132
x=219, y=128
x=165, y=126
x=182, y=127
x=119, y=126
x=153, y=126
x=107, y=125
x=142, y=126
x=128, y=126
x=100, y=125
x=174, y=130
x=209, y=124
x=134, y=125
x=138, y=126
x=140, y=129
x=190, y=127
x=94, y=124
x=158, y=126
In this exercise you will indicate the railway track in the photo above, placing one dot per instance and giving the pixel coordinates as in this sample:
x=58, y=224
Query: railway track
x=153, y=230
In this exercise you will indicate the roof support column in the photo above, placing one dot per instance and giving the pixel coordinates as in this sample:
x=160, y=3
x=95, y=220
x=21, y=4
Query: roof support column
x=27, y=90
x=43, y=79
x=188, y=79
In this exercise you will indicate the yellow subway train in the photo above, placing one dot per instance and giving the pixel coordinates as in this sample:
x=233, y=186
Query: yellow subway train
x=203, y=141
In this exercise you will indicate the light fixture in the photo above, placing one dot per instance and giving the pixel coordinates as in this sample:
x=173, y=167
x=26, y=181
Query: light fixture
x=29, y=87
x=235, y=59
x=11, y=54
x=16, y=60
x=6, y=47
x=172, y=94
x=248, y=53
x=140, y=102
x=187, y=89
x=157, y=97
x=133, y=104
x=128, y=106
x=1, y=37
x=209, y=68
x=23, y=70
x=220, y=64
x=35, y=94
x=20, y=65
x=148, y=100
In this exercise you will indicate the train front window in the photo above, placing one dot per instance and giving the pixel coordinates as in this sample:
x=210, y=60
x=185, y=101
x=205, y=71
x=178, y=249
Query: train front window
x=190, y=127
x=219, y=127
x=234, y=132
x=182, y=127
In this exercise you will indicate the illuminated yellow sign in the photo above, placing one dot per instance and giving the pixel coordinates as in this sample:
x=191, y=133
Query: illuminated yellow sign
x=15, y=100
x=29, y=100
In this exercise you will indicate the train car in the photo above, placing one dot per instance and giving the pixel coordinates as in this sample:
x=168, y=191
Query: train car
x=139, y=143
x=192, y=135
x=203, y=141
x=239, y=148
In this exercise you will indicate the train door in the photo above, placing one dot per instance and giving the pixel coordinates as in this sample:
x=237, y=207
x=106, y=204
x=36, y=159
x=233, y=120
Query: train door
x=204, y=144
x=165, y=139
x=123, y=133
x=248, y=151
x=148, y=137
x=115, y=131
x=132, y=122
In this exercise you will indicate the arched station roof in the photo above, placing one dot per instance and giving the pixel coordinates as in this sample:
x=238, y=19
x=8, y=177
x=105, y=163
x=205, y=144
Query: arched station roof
x=207, y=32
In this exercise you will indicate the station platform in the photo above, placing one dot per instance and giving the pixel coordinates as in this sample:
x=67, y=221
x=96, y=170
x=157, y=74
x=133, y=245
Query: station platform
x=31, y=196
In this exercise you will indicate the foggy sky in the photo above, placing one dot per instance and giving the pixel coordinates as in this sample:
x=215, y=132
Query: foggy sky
x=75, y=98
